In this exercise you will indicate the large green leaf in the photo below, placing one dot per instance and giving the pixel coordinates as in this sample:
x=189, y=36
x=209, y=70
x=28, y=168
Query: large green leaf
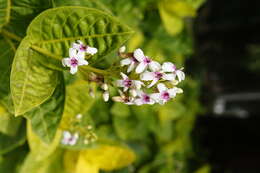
x=9, y=124
x=54, y=30
x=31, y=83
x=45, y=118
x=52, y=33
x=5, y=8
x=8, y=143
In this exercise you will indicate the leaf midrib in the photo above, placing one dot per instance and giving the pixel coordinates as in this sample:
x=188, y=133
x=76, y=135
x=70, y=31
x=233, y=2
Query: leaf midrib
x=83, y=37
x=8, y=13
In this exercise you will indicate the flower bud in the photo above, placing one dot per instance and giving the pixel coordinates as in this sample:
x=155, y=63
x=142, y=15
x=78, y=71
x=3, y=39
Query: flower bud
x=106, y=96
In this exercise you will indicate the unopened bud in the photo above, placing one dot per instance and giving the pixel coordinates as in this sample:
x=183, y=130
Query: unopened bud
x=104, y=86
x=122, y=49
x=106, y=96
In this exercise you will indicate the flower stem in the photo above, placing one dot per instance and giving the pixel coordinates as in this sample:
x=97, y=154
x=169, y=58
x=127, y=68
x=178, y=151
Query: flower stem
x=11, y=35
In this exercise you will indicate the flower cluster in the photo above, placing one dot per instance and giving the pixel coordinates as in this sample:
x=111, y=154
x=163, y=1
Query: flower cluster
x=143, y=80
x=77, y=56
x=146, y=74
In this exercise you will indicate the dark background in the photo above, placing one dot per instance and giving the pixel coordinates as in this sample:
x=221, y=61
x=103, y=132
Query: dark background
x=227, y=35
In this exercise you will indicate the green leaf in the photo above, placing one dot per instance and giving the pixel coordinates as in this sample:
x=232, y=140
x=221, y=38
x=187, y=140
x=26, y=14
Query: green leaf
x=45, y=119
x=8, y=143
x=5, y=8
x=52, y=33
x=31, y=82
x=179, y=8
x=54, y=30
x=83, y=3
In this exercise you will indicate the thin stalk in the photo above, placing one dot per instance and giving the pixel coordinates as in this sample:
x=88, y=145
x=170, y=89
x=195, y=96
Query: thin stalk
x=11, y=35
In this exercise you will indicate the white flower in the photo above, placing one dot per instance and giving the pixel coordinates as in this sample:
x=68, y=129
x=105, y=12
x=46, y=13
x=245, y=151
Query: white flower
x=127, y=83
x=123, y=98
x=143, y=98
x=69, y=139
x=145, y=62
x=106, y=96
x=81, y=47
x=156, y=76
x=75, y=59
x=122, y=49
x=132, y=62
x=164, y=94
x=170, y=67
x=104, y=86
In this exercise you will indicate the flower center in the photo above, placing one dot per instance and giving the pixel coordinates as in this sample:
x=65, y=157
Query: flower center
x=73, y=62
x=174, y=67
x=165, y=96
x=127, y=83
x=158, y=75
x=146, y=98
x=83, y=48
x=147, y=60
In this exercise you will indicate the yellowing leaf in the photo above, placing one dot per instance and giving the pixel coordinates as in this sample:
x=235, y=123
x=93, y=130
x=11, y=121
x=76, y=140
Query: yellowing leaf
x=83, y=166
x=179, y=8
x=42, y=149
x=135, y=41
x=69, y=160
x=172, y=23
x=108, y=157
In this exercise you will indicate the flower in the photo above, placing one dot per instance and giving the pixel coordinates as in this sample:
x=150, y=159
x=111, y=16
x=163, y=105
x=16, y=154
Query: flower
x=69, y=139
x=123, y=98
x=127, y=83
x=155, y=77
x=122, y=49
x=104, y=86
x=145, y=62
x=143, y=98
x=83, y=48
x=170, y=67
x=106, y=96
x=79, y=116
x=75, y=59
x=164, y=94
x=132, y=62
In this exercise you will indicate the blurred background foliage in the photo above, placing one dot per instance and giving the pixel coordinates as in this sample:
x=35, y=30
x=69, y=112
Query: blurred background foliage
x=158, y=138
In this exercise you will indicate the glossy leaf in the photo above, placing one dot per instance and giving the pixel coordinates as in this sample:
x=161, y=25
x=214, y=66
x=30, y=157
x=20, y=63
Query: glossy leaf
x=45, y=118
x=31, y=82
x=54, y=30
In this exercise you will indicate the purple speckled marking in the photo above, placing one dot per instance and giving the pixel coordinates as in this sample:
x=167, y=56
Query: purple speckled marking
x=127, y=83
x=73, y=62
x=147, y=60
x=165, y=95
x=158, y=75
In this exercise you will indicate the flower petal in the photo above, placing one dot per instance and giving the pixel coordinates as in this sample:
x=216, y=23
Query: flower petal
x=125, y=61
x=76, y=46
x=161, y=87
x=133, y=92
x=91, y=50
x=138, y=102
x=138, y=84
x=168, y=67
x=147, y=76
x=155, y=80
x=124, y=76
x=106, y=96
x=72, y=53
x=73, y=70
x=172, y=92
x=141, y=67
x=139, y=55
x=83, y=62
x=180, y=75
x=65, y=62
x=154, y=66
x=155, y=96
x=120, y=83
x=131, y=67
x=169, y=77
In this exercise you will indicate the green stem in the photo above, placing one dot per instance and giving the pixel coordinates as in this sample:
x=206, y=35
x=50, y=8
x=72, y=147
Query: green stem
x=11, y=35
